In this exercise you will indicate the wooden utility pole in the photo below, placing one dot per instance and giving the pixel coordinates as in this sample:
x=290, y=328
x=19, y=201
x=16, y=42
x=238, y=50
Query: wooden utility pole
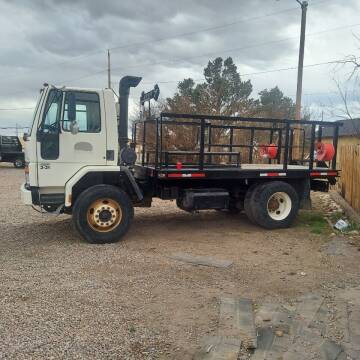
x=304, y=5
x=109, y=70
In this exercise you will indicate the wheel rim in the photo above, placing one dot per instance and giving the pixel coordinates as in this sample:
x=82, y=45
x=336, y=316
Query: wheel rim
x=104, y=215
x=279, y=206
x=18, y=163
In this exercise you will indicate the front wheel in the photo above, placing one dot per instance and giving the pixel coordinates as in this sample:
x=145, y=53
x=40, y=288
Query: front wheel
x=103, y=214
x=274, y=204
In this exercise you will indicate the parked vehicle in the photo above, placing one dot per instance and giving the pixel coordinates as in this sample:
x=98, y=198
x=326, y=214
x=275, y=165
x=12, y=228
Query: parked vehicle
x=11, y=151
x=79, y=162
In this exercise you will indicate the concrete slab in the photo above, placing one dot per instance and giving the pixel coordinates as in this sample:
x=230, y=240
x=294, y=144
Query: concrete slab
x=219, y=348
x=237, y=320
x=265, y=338
x=278, y=348
x=265, y=314
x=307, y=309
x=342, y=319
x=201, y=260
x=305, y=341
x=337, y=247
x=351, y=295
x=352, y=354
x=354, y=326
x=294, y=355
x=329, y=350
x=321, y=320
x=305, y=345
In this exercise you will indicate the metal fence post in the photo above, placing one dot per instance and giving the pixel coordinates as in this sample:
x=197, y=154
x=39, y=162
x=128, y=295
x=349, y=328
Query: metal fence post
x=202, y=144
x=286, y=149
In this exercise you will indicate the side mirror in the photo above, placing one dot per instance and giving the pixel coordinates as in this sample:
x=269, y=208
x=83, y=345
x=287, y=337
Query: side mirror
x=74, y=127
x=71, y=106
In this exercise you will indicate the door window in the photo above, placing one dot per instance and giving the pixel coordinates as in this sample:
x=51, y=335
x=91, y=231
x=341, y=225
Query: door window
x=87, y=112
x=49, y=128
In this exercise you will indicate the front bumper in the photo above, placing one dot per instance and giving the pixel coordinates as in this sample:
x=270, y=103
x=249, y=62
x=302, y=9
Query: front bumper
x=26, y=197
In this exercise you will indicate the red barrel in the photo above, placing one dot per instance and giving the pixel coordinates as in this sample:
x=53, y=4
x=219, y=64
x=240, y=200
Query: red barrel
x=324, y=151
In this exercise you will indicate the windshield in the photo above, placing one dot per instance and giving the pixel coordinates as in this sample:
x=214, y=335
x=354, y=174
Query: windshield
x=36, y=110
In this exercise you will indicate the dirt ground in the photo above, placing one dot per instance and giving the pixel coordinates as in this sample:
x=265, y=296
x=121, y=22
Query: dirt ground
x=63, y=298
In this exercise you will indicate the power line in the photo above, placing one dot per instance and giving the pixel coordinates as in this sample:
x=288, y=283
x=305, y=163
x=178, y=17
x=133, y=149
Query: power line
x=259, y=72
x=245, y=74
x=16, y=109
x=222, y=51
x=212, y=53
x=171, y=37
x=185, y=34
x=212, y=28
x=14, y=127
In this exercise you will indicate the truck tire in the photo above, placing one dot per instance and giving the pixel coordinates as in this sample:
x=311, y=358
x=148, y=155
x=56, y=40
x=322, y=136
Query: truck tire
x=103, y=214
x=274, y=204
x=248, y=203
x=19, y=163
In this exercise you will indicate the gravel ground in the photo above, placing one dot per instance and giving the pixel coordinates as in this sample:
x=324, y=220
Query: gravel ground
x=63, y=298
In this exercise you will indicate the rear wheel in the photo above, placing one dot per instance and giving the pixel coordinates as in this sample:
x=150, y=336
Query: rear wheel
x=248, y=203
x=102, y=214
x=274, y=204
x=19, y=163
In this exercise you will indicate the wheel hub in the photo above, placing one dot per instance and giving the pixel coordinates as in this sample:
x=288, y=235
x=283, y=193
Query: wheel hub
x=104, y=215
x=279, y=206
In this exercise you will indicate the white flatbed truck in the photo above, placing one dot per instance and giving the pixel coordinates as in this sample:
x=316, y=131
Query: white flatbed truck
x=79, y=162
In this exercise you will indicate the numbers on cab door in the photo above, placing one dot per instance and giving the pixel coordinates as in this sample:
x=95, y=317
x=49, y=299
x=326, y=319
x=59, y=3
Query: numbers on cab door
x=44, y=166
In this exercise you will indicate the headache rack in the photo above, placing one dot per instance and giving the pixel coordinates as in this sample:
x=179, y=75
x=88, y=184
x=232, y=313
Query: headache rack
x=192, y=143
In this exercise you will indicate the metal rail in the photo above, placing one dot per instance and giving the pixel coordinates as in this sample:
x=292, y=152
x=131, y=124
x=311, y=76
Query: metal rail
x=205, y=126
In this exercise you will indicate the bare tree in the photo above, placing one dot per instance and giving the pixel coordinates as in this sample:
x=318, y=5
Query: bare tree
x=348, y=90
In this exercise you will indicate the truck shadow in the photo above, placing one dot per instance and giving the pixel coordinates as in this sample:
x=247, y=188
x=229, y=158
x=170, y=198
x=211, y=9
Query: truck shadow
x=145, y=223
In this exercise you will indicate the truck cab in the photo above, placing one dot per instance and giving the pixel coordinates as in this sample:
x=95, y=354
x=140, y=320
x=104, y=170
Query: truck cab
x=73, y=162
x=58, y=149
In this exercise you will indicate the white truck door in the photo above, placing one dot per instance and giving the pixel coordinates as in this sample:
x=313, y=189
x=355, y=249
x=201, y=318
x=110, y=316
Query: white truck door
x=61, y=154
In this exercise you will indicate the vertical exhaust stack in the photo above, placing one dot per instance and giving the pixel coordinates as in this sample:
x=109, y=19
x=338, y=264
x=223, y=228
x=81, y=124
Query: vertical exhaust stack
x=125, y=84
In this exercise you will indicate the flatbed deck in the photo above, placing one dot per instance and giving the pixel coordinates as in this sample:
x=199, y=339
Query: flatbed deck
x=245, y=171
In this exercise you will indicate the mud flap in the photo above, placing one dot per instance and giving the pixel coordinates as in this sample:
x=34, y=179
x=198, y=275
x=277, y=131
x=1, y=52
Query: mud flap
x=305, y=200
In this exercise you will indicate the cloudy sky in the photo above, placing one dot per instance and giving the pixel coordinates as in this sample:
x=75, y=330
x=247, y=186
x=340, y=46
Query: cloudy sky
x=64, y=42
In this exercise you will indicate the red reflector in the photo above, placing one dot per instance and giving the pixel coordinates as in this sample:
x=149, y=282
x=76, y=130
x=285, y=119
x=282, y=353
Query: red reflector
x=272, y=174
x=191, y=175
x=326, y=173
x=179, y=165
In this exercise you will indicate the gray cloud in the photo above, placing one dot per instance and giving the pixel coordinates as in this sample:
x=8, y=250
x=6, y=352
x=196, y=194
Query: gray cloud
x=65, y=42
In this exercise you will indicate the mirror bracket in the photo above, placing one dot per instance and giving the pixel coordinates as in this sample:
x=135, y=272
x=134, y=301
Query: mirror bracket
x=71, y=106
x=74, y=127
